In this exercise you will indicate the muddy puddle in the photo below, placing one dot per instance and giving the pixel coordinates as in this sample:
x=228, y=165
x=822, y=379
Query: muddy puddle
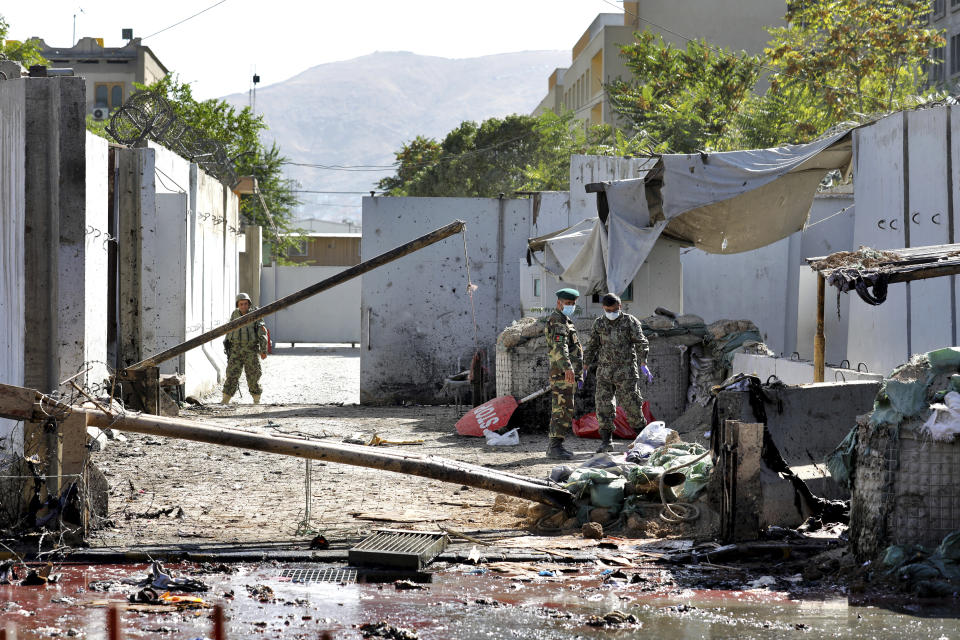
x=460, y=604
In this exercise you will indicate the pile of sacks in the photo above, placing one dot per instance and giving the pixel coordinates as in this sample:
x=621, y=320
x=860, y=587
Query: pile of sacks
x=711, y=361
x=609, y=489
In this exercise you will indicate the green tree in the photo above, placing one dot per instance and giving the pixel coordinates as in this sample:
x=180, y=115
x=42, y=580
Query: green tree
x=239, y=130
x=852, y=57
x=26, y=53
x=684, y=99
x=515, y=153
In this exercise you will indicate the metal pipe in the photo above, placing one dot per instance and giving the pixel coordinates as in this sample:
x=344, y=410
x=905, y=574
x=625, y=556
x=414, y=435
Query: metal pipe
x=282, y=303
x=399, y=462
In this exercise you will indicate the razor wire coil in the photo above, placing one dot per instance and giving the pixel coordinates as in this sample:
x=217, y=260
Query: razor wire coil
x=147, y=115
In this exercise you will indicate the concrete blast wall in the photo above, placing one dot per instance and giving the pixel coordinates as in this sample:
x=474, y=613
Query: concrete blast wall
x=12, y=214
x=178, y=262
x=416, y=319
x=906, y=172
x=331, y=316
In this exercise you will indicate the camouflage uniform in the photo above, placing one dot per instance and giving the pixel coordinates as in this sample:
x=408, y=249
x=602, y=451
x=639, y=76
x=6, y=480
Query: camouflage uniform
x=246, y=345
x=614, y=347
x=565, y=353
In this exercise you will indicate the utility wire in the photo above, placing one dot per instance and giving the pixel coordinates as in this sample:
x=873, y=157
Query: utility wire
x=176, y=24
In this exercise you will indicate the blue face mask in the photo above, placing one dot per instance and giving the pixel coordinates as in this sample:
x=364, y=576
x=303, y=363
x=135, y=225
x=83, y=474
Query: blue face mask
x=568, y=309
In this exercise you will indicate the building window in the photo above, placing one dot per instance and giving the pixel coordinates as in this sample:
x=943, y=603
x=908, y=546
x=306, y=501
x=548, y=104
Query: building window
x=939, y=8
x=536, y=287
x=935, y=68
x=298, y=249
x=955, y=53
x=627, y=295
x=108, y=94
x=954, y=4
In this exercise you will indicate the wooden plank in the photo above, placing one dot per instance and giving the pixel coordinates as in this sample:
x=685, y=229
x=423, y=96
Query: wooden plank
x=17, y=403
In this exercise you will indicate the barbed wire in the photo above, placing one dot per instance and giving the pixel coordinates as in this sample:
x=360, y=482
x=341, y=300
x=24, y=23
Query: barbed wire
x=147, y=115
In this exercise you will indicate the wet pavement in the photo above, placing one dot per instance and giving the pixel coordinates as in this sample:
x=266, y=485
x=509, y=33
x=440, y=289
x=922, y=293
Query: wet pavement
x=460, y=602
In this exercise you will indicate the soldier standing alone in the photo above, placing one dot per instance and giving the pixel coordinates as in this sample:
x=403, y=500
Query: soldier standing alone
x=616, y=344
x=566, y=368
x=245, y=347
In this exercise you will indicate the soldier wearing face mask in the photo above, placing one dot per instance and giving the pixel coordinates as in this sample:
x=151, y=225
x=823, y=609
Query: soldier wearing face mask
x=616, y=346
x=566, y=369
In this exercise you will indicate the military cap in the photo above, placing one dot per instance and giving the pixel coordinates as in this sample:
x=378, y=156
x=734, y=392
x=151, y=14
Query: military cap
x=243, y=296
x=568, y=294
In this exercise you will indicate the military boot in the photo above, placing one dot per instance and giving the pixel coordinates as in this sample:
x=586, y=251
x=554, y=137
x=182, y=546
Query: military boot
x=226, y=398
x=606, y=442
x=256, y=398
x=556, y=450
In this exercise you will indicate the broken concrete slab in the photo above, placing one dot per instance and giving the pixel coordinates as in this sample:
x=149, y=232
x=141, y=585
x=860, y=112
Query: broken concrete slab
x=806, y=422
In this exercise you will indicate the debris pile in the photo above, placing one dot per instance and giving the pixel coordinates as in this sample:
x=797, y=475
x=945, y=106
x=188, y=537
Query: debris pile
x=902, y=460
x=862, y=258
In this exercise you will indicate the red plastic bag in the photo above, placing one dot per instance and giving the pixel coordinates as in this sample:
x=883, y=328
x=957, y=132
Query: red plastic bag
x=588, y=427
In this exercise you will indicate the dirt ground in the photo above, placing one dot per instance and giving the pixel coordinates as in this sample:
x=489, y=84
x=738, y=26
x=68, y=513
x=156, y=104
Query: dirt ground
x=165, y=491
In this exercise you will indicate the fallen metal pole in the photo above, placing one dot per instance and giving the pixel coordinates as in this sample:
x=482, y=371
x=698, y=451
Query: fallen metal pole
x=399, y=462
x=278, y=305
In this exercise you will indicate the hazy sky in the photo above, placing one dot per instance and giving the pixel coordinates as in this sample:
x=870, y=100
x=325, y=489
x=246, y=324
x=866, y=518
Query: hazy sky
x=217, y=50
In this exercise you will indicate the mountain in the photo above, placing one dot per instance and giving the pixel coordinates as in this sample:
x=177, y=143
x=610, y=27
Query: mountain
x=359, y=112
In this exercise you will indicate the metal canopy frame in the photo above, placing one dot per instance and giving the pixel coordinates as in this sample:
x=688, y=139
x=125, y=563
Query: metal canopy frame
x=914, y=263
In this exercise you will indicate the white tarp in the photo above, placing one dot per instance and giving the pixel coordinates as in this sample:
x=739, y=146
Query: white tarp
x=720, y=202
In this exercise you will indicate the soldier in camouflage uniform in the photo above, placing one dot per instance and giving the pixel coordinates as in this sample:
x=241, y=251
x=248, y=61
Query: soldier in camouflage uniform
x=566, y=368
x=616, y=345
x=245, y=348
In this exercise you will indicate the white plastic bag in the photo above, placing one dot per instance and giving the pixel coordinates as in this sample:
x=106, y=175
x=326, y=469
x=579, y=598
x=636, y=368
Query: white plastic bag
x=507, y=439
x=654, y=435
x=944, y=423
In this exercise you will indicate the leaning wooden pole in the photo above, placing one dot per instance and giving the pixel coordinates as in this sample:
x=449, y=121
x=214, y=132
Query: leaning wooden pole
x=397, y=461
x=278, y=305
x=819, y=341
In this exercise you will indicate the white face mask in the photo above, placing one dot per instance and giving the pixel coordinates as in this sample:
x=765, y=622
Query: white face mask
x=568, y=309
x=612, y=315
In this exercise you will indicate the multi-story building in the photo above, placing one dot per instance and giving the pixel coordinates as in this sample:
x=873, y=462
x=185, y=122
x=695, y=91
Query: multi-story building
x=109, y=71
x=732, y=24
x=945, y=14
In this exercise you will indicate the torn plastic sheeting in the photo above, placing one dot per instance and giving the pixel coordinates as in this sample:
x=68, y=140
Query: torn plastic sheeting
x=897, y=400
x=927, y=574
x=944, y=423
x=725, y=202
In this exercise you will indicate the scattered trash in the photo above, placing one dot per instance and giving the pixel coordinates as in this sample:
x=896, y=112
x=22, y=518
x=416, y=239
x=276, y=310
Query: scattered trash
x=761, y=582
x=166, y=582
x=654, y=435
x=612, y=619
x=383, y=630
x=375, y=440
x=319, y=543
x=40, y=577
x=407, y=585
x=261, y=592
x=508, y=439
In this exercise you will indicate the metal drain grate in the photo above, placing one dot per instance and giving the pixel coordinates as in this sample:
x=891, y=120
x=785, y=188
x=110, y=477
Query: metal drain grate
x=404, y=549
x=338, y=576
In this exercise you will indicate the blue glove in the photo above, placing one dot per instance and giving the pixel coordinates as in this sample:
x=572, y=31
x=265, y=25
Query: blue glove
x=580, y=384
x=647, y=373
